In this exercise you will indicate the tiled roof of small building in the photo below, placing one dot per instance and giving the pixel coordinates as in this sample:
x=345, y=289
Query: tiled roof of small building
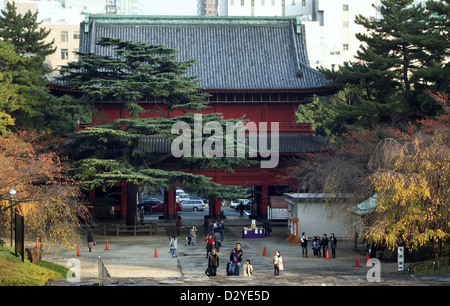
x=288, y=143
x=242, y=53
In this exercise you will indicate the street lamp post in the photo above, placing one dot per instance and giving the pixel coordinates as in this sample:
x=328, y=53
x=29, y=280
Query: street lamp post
x=12, y=194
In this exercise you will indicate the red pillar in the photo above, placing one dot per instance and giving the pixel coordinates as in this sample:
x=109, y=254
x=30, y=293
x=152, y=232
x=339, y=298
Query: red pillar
x=169, y=204
x=217, y=208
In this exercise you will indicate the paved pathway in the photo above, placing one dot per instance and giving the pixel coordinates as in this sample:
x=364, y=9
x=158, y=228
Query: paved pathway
x=131, y=260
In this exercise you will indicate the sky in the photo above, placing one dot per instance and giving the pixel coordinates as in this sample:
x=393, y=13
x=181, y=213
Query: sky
x=170, y=7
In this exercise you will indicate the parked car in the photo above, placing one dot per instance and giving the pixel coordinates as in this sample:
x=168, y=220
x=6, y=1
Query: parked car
x=246, y=203
x=160, y=207
x=194, y=205
x=147, y=204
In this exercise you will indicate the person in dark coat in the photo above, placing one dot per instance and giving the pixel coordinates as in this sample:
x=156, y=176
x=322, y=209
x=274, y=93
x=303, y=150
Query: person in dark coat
x=333, y=244
x=267, y=228
x=205, y=226
x=241, y=209
x=324, y=244
x=213, y=262
x=236, y=259
x=217, y=239
x=222, y=230
x=90, y=241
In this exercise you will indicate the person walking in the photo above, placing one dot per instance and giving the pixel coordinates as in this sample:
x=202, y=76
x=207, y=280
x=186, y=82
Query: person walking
x=205, y=225
x=333, y=244
x=178, y=224
x=248, y=268
x=304, y=244
x=267, y=227
x=277, y=263
x=90, y=240
x=213, y=262
x=222, y=230
x=324, y=245
x=193, y=235
x=319, y=246
x=217, y=239
x=173, y=244
x=236, y=259
x=315, y=246
x=209, y=244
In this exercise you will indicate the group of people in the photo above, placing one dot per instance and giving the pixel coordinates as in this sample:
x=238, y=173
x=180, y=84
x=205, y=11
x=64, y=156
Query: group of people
x=319, y=245
x=234, y=264
x=213, y=244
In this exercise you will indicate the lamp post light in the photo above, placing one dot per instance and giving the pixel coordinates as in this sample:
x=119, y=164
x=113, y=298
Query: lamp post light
x=12, y=194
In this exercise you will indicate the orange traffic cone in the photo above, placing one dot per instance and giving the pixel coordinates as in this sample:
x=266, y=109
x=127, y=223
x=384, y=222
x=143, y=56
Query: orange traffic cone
x=327, y=257
x=357, y=262
x=264, y=252
x=107, y=246
x=367, y=257
x=78, y=252
x=156, y=253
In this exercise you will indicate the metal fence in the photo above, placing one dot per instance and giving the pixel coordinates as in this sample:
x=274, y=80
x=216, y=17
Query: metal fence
x=435, y=267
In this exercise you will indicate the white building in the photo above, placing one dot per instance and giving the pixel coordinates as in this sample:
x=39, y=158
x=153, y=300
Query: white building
x=63, y=18
x=329, y=24
x=316, y=214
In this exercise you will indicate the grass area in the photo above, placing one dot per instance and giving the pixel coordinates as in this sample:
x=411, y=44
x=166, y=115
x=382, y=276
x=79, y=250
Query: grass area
x=14, y=272
x=437, y=266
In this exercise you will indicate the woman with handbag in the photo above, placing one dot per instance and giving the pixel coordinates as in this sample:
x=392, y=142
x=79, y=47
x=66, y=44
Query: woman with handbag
x=277, y=263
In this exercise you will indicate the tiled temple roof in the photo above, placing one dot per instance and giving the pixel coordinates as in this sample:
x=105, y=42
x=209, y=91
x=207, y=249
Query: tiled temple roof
x=232, y=53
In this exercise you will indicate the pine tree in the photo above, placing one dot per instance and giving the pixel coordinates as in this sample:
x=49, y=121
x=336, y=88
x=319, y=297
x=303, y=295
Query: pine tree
x=25, y=101
x=402, y=55
x=24, y=32
x=409, y=45
x=114, y=151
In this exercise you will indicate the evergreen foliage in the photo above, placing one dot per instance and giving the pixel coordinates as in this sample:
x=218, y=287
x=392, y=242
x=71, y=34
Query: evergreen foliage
x=114, y=151
x=402, y=55
x=25, y=102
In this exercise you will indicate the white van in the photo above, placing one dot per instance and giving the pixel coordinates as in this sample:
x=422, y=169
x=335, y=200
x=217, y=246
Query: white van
x=180, y=195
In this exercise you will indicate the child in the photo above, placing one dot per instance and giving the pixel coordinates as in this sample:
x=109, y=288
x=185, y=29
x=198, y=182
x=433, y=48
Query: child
x=173, y=246
x=248, y=268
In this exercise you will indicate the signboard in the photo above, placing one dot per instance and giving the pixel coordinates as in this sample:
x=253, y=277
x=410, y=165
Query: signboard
x=401, y=258
x=19, y=237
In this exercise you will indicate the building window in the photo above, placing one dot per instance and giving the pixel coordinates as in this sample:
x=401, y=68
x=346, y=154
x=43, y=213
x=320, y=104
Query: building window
x=345, y=24
x=64, y=36
x=242, y=2
x=345, y=7
x=345, y=47
x=273, y=2
x=262, y=2
x=303, y=2
x=76, y=35
x=64, y=54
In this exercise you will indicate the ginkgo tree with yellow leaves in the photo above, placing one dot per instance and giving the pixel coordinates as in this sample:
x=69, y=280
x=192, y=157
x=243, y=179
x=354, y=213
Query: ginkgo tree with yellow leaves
x=412, y=180
x=408, y=171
